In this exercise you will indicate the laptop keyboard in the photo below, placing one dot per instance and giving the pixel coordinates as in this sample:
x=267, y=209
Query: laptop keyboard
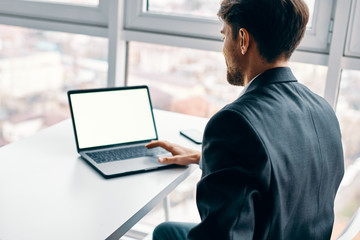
x=124, y=153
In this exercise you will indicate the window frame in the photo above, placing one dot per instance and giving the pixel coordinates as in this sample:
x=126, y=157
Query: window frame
x=139, y=19
x=104, y=20
x=352, y=48
x=88, y=20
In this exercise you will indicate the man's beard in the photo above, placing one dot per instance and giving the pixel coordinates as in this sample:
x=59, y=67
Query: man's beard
x=235, y=77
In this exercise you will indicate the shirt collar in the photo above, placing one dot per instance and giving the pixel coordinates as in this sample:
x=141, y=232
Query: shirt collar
x=247, y=86
x=271, y=76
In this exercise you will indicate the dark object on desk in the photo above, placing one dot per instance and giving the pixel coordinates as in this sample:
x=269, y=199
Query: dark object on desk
x=115, y=120
x=193, y=135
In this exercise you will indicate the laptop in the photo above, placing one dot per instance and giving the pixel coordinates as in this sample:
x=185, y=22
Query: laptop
x=112, y=126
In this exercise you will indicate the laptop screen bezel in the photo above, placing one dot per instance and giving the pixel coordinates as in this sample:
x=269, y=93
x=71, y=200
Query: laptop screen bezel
x=80, y=91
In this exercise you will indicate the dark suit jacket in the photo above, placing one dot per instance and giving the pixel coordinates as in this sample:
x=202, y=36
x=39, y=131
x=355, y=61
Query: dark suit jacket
x=272, y=163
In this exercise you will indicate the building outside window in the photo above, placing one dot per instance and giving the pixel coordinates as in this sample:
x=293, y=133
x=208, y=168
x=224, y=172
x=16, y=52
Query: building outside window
x=36, y=70
x=348, y=112
x=194, y=81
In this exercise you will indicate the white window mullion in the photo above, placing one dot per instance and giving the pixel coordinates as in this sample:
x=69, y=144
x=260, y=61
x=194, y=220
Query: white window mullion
x=117, y=49
x=353, y=37
x=54, y=26
x=343, y=9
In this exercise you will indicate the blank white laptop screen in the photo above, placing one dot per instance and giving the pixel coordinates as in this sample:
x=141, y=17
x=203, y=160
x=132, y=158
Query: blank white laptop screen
x=112, y=117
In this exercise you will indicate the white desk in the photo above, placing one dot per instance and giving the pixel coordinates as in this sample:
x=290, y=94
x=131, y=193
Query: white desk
x=47, y=192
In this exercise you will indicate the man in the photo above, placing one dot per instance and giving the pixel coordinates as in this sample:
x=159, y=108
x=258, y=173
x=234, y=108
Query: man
x=272, y=160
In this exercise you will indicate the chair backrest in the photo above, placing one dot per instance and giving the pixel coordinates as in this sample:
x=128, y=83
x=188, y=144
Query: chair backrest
x=352, y=229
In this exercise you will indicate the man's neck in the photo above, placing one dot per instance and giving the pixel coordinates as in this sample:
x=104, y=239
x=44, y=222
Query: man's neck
x=262, y=66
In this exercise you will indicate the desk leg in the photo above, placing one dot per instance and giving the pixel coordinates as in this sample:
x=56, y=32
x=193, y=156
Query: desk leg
x=166, y=206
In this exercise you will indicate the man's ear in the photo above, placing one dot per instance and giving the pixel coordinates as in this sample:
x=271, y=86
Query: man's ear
x=244, y=40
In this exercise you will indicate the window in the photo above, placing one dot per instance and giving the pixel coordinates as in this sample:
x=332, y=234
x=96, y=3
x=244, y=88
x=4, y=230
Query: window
x=193, y=81
x=353, y=35
x=149, y=16
x=311, y=75
x=199, y=8
x=76, y=16
x=180, y=79
x=348, y=112
x=311, y=6
x=75, y=2
x=202, y=8
x=36, y=70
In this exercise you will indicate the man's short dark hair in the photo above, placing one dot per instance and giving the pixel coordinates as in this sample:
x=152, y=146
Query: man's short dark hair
x=276, y=25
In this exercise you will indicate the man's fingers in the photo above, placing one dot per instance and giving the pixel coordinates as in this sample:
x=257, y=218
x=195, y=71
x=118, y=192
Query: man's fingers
x=152, y=144
x=171, y=160
x=181, y=155
x=179, y=160
x=164, y=144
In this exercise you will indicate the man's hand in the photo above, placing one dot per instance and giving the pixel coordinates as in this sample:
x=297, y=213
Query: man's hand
x=181, y=155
